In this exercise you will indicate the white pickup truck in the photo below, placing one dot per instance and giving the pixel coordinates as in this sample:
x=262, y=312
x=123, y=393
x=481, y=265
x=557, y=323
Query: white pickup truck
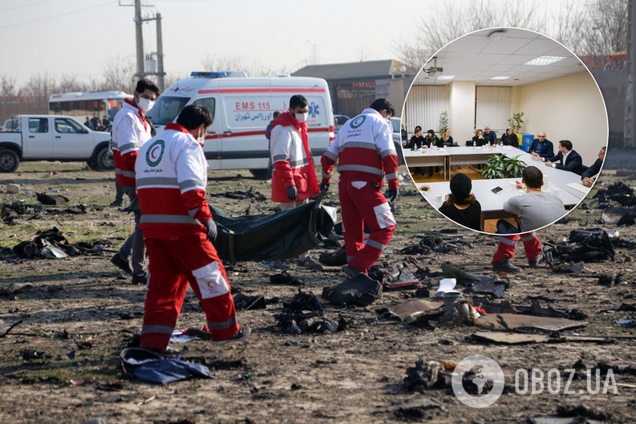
x=53, y=138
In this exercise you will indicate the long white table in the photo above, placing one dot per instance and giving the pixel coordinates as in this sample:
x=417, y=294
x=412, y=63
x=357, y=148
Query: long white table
x=427, y=157
x=491, y=203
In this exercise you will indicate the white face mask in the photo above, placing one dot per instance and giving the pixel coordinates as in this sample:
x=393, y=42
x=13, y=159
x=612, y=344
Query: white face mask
x=145, y=104
x=301, y=117
x=201, y=138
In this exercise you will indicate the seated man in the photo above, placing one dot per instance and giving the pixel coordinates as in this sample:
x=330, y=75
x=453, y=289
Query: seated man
x=541, y=146
x=570, y=159
x=490, y=137
x=586, y=176
x=534, y=210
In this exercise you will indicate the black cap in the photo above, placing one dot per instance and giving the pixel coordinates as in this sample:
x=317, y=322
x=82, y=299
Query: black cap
x=461, y=186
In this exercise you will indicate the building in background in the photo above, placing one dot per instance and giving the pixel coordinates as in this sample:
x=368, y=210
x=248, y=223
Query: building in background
x=354, y=86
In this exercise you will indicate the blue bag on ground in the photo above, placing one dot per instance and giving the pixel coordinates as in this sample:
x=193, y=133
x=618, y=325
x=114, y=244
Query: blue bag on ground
x=149, y=366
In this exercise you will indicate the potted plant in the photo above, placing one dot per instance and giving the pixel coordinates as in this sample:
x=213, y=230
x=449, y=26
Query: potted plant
x=494, y=168
x=443, y=123
x=501, y=166
x=516, y=122
x=513, y=167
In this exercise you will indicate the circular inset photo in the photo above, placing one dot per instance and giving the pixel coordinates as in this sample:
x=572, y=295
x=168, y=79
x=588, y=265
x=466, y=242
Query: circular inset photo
x=507, y=130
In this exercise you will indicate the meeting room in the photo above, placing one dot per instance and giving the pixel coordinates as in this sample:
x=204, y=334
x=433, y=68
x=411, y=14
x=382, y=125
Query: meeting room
x=494, y=102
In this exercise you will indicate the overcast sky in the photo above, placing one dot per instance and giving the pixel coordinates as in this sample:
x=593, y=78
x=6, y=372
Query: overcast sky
x=79, y=37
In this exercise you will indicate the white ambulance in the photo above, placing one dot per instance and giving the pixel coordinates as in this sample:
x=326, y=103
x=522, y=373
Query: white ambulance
x=242, y=107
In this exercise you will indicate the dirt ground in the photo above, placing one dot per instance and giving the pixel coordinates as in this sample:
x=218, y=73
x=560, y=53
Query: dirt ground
x=59, y=364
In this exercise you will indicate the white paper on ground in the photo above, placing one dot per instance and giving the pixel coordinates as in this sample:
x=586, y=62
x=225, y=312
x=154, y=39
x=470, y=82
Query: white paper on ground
x=579, y=187
x=446, y=285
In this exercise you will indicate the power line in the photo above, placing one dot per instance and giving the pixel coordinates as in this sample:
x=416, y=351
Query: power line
x=24, y=5
x=56, y=16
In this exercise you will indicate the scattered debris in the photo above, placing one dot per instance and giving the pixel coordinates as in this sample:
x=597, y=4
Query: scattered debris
x=359, y=290
x=13, y=287
x=149, y=366
x=242, y=194
x=417, y=409
x=52, y=244
x=243, y=302
x=285, y=279
x=51, y=199
x=492, y=285
x=410, y=310
x=512, y=322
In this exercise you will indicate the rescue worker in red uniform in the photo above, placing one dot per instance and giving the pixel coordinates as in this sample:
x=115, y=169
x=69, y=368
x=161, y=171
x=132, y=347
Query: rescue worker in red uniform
x=178, y=229
x=294, y=179
x=365, y=153
x=130, y=132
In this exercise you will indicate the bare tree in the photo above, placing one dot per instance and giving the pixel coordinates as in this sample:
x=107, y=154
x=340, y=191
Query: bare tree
x=8, y=89
x=452, y=20
x=119, y=74
x=602, y=34
x=38, y=88
x=595, y=30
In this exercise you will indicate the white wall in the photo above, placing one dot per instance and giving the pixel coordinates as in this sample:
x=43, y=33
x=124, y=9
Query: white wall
x=566, y=108
x=461, y=114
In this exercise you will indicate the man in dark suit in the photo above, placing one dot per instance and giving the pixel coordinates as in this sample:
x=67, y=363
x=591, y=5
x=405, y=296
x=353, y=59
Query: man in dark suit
x=586, y=176
x=570, y=160
x=541, y=147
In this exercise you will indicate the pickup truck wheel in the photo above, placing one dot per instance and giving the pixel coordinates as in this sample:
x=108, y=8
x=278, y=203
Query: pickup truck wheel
x=105, y=160
x=9, y=160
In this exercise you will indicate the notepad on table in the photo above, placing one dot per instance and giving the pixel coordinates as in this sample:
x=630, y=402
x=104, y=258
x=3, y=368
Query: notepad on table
x=579, y=187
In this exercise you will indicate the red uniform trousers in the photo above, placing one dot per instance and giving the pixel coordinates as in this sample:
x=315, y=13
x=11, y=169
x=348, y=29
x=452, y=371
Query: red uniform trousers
x=172, y=265
x=507, y=244
x=364, y=203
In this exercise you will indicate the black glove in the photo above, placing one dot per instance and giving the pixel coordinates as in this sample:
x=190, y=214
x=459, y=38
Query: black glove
x=292, y=193
x=392, y=194
x=211, y=227
x=325, y=186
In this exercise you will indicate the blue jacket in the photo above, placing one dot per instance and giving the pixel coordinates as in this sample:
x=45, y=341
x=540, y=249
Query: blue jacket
x=545, y=149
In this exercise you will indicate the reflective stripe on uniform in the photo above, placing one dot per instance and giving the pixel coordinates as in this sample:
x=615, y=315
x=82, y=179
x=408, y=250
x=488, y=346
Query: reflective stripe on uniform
x=129, y=146
x=222, y=325
x=191, y=183
x=527, y=237
x=128, y=174
x=168, y=219
x=157, y=181
x=391, y=176
x=362, y=168
x=332, y=156
x=278, y=158
x=375, y=244
x=163, y=329
x=325, y=175
x=299, y=163
x=387, y=152
x=507, y=241
x=359, y=144
x=193, y=212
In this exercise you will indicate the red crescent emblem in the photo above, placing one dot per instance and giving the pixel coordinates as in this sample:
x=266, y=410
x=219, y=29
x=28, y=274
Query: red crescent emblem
x=152, y=152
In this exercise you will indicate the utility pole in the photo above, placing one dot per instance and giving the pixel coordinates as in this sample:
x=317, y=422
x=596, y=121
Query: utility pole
x=139, y=42
x=160, y=73
x=139, y=39
x=630, y=97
